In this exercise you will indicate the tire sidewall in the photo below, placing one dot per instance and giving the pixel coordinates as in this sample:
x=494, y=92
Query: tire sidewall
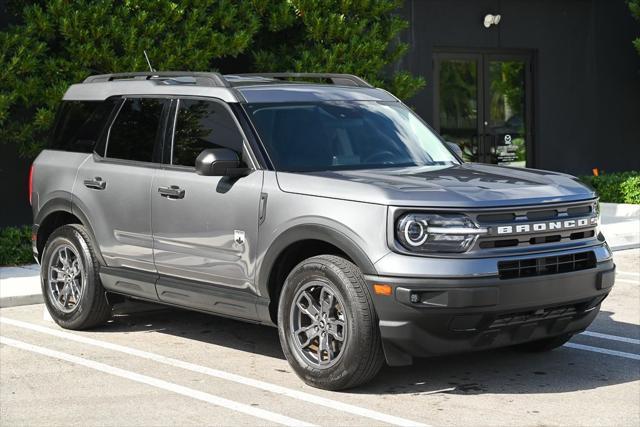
x=343, y=369
x=67, y=235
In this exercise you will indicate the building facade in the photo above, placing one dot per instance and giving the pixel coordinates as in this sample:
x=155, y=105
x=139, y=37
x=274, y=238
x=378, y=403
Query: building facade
x=550, y=84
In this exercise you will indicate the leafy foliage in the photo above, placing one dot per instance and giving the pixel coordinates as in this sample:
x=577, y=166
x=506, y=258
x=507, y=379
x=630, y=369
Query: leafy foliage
x=15, y=246
x=634, y=7
x=343, y=36
x=60, y=42
x=623, y=187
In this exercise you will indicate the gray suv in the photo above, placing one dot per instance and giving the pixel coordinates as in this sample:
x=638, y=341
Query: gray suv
x=327, y=209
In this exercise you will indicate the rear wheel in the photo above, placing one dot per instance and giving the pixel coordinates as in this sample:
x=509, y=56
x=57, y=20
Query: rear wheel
x=327, y=324
x=70, y=283
x=543, y=345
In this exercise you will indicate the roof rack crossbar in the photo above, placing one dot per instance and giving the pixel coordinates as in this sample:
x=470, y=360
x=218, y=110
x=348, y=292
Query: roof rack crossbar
x=335, y=78
x=203, y=78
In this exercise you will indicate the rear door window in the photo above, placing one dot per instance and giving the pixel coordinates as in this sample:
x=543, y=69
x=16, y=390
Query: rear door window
x=201, y=125
x=79, y=125
x=136, y=131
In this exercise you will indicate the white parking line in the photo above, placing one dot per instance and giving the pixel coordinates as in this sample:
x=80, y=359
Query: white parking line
x=624, y=354
x=295, y=394
x=611, y=337
x=158, y=383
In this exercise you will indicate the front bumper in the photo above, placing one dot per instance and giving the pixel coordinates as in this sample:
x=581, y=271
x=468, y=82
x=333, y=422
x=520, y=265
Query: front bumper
x=451, y=315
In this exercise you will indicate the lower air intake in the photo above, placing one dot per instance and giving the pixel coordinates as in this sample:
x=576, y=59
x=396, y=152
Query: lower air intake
x=546, y=265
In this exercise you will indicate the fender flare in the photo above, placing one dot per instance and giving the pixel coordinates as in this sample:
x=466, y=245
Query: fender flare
x=310, y=232
x=58, y=204
x=68, y=206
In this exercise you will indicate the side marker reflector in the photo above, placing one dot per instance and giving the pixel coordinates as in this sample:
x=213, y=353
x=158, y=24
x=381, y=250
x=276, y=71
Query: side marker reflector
x=381, y=289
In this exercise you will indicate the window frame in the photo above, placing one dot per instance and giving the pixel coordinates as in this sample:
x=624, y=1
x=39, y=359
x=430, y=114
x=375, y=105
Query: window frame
x=247, y=156
x=158, y=145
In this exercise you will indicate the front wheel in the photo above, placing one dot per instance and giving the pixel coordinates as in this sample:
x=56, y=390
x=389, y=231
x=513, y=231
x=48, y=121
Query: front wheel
x=327, y=324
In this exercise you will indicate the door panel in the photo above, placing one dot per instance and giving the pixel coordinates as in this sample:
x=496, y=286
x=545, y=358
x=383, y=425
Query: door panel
x=119, y=210
x=195, y=237
x=115, y=191
x=483, y=103
x=205, y=228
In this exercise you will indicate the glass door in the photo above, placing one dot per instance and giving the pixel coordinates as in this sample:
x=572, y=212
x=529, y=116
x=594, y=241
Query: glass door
x=482, y=104
x=458, y=116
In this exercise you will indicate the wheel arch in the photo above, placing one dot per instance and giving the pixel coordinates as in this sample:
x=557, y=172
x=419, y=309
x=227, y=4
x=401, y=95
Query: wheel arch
x=56, y=213
x=297, y=244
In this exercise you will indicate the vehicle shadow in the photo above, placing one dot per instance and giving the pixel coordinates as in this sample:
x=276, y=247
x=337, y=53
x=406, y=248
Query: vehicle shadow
x=504, y=371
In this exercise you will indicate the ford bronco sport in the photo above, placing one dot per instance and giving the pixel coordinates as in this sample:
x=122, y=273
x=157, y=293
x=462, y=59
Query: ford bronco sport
x=328, y=209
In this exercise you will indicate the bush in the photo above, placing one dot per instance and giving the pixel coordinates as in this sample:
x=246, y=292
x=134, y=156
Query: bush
x=15, y=246
x=623, y=187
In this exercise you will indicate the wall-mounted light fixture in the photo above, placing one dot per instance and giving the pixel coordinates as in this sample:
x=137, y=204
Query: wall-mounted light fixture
x=490, y=20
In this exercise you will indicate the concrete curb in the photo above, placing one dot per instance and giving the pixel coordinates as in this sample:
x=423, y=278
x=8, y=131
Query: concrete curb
x=20, y=285
x=19, y=300
x=625, y=247
x=619, y=210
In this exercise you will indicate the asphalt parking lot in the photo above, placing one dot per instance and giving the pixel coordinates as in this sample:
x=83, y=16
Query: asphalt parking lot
x=161, y=366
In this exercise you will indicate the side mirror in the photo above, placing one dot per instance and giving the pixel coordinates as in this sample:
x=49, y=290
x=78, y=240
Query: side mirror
x=219, y=162
x=455, y=148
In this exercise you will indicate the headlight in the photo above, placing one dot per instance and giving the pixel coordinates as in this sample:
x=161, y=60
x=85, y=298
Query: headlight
x=428, y=233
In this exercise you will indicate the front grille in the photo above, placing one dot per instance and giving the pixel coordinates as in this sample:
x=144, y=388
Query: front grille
x=520, y=216
x=546, y=265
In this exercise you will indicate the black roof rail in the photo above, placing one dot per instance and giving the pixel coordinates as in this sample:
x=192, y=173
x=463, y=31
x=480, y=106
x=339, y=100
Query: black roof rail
x=200, y=78
x=335, y=78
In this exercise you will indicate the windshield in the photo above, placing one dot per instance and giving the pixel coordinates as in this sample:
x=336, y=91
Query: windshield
x=345, y=135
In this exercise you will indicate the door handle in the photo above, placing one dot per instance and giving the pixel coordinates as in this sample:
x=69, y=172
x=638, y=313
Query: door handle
x=172, y=192
x=96, y=183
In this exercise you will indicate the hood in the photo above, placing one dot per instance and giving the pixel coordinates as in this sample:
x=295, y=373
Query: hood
x=469, y=185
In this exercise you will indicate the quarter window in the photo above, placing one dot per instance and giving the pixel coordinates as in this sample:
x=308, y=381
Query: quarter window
x=201, y=125
x=136, y=130
x=79, y=125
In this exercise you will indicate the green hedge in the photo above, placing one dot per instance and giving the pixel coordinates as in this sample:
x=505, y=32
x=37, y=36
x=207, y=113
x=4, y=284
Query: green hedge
x=59, y=42
x=623, y=187
x=15, y=246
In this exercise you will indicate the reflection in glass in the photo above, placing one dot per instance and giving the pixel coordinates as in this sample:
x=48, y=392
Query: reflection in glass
x=345, y=135
x=506, y=115
x=459, y=106
x=201, y=125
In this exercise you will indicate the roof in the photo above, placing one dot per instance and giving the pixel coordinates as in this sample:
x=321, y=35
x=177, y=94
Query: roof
x=269, y=87
x=102, y=90
x=311, y=93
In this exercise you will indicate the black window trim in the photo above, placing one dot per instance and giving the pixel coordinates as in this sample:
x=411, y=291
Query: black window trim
x=159, y=142
x=246, y=146
x=103, y=138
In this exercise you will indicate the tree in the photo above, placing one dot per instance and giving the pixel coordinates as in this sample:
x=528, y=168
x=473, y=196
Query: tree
x=347, y=36
x=634, y=6
x=60, y=42
x=63, y=42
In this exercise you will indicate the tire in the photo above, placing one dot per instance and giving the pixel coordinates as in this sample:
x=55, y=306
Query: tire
x=86, y=303
x=546, y=344
x=344, y=364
